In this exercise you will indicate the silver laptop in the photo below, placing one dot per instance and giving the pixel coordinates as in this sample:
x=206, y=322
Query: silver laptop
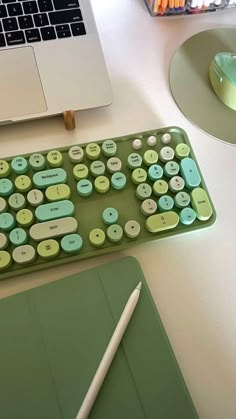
x=51, y=59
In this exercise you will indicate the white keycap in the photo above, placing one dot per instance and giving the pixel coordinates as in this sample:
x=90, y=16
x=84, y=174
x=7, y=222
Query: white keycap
x=3, y=241
x=53, y=228
x=176, y=184
x=132, y=229
x=3, y=205
x=76, y=154
x=151, y=141
x=24, y=254
x=166, y=154
x=137, y=144
x=166, y=138
x=114, y=165
x=35, y=197
x=149, y=207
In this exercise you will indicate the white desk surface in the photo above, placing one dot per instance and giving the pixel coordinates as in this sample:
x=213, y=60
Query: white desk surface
x=192, y=277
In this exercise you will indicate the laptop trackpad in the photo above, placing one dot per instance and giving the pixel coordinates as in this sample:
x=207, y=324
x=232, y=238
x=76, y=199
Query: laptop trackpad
x=21, y=91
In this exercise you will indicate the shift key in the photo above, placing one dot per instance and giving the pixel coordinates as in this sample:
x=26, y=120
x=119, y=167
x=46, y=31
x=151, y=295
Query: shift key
x=66, y=16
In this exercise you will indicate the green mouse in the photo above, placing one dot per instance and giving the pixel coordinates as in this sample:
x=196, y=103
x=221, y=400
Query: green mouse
x=222, y=73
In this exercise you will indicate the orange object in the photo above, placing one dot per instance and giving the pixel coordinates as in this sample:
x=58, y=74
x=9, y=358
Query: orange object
x=163, y=6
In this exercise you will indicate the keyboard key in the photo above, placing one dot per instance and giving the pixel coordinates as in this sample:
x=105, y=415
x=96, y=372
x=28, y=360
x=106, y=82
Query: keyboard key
x=58, y=192
x=80, y=171
x=115, y=233
x=72, y=243
x=19, y=165
x=37, y=160
x=5, y=259
x=4, y=168
x=23, y=183
x=15, y=38
x=110, y=216
x=165, y=203
x=76, y=153
x=24, y=254
x=65, y=4
x=62, y=28
x=3, y=11
x=16, y=201
x=35, y=197
x=2, y=40
x=18, y=236
x=155, y=172
x=30, y=7
x=7, y=221
x=102, y=184
x=55, y=210
x=25, y=217
x=6, y=187
x=14, y=9
x=10, y=24
x=8, y=1
x=66, y=16
x=78, y=29
x=143, y=191
x=54, y=157
x=132, y=229
x=139, y=176
x=93, y=151
x=50, y=177
x=3, y=205
x=53, y=228
x=63, y=34
x=45, y=5
x=160, y=222
x=41, y=19
x=187, y=216
x=84, y=187
x=25, y=22
x=190, y=173
x=201, y=204
x=109, y=147
x=149, y=207
x=118, y=180
x=48, y=248
x=48, y=33
x=32, y=35
x=97, y=237
x=3, y=241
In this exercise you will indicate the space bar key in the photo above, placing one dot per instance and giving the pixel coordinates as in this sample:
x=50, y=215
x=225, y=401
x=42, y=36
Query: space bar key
x=53, y=228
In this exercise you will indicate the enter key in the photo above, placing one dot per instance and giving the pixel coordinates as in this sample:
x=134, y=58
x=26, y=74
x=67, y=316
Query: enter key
x=201, y=204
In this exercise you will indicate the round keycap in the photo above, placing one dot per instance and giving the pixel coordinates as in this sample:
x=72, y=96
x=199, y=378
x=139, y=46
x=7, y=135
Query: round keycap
x=182, y=199
x=3, y=241
x=166, y=154
x=4, y=168
x=6, y=187
x=72, y=243
x=118, y=180
x=16, y=201
x=7, y=221
x=24, y=254
x=97, y=168
x=58, y=192
x=48, y=248
x=25, y=217
x=165, y=203
x=187, y=216
x=93, y=151
x=160, y=187
x=23, y=183
x=102, y=184
x=139, y=176
x=134, y=160
x=18, y=236
x=35, y=197
x=182, y=150
x=54, y=158
x=166, y=138
x=115, y=233
x=3, y=205
x=84, y=187
x=148, y=207
x=137, y=144
x=114, y=165
x=109, y=148
x=5, y=260
x=37, y=161
x=155, y=172
x=171, y=168
x=132, y=229
x=19, y=165
x=151, y=141
x=143, y=191
x=110, y=216
x=97, y=237
x=76, y=154
x=176, y=184
x=80, y=171
x=150, y=157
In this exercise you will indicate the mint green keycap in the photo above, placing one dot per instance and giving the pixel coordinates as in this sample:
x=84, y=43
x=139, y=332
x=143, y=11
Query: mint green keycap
x=19, y=165
x=18, y=236
x=143, y=191
x=110, y=216
x=46, y=178
x=109, y=148
x=201, y=204
x=6, y=187
x=37, y=161
x=97, y=168
x=54, y=210
x=134, y=160
x=84, y=187
x=187, y=216
x=165, y=203
x=155, y=172
x=182, y=199
x=16, y=201
x=171, y=168
x=115, y=233
x=72, y=243
x=190, y=173
x=160, y=222
x=7, y=221
x=118, y=180
x=182, y=150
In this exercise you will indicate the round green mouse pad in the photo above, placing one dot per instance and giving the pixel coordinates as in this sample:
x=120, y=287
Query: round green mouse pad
x=191, y=87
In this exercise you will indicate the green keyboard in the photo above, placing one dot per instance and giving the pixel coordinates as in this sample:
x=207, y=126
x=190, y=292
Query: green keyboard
x=71, y=203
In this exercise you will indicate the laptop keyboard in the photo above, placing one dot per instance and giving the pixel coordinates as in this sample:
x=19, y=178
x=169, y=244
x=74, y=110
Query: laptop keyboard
x=31, y=21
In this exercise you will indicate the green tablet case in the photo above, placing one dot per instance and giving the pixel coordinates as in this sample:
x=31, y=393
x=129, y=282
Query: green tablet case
x=53, y=338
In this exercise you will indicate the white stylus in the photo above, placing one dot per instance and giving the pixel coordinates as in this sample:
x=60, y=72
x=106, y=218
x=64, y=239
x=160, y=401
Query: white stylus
x=109, y=354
